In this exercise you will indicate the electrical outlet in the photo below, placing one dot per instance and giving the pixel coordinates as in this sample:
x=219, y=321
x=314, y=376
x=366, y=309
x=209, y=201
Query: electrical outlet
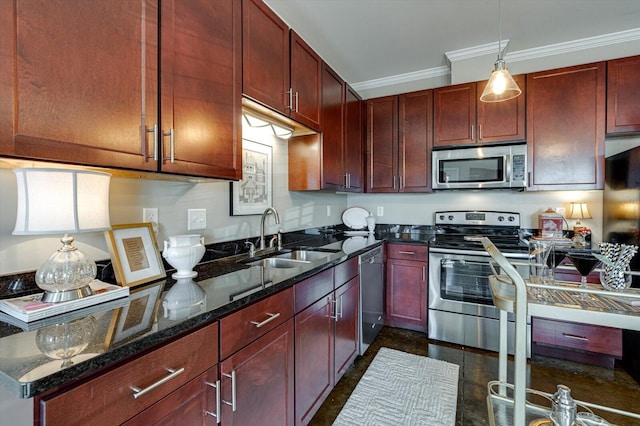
x=150, y=215
x=196, y=219
x=328, y=210
x=380, y=211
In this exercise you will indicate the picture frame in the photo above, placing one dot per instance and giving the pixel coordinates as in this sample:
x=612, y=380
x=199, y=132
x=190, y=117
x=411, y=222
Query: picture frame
x=137, y=318
x=253, y=194
x=134, y=254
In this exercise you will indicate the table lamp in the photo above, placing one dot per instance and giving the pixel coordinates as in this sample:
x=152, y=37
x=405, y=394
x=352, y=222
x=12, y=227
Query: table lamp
x=61, y=201
x=578, y=211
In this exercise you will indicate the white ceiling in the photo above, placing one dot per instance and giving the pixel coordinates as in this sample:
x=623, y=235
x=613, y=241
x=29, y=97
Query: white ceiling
x=365, y=40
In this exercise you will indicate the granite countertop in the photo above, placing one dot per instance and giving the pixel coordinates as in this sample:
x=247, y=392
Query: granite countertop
x=122, y=328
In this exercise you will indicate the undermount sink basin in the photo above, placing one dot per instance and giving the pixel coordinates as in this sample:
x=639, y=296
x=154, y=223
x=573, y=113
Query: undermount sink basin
x=304, y=255
x=277, y=262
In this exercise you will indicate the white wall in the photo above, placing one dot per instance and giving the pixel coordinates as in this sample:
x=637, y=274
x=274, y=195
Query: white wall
x=298, y=210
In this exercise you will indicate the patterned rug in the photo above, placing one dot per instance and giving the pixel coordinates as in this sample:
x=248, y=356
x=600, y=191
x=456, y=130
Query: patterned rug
x=400, y=388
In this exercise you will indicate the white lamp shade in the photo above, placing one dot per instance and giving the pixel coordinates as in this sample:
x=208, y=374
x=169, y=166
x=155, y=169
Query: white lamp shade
x=58, y=201
x=579, y=211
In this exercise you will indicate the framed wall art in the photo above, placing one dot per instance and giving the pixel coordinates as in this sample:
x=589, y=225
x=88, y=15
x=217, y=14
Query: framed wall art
x=134, y=254
x=253, y=194
x=137, y=317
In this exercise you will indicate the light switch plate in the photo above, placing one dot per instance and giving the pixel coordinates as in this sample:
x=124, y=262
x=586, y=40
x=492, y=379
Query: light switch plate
x=196, y=219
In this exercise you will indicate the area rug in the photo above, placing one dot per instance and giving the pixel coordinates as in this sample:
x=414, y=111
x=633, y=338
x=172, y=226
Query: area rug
x=400, y=388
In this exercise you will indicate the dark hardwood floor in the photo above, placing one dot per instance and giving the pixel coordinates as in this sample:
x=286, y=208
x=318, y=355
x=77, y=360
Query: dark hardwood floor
x=607, y=387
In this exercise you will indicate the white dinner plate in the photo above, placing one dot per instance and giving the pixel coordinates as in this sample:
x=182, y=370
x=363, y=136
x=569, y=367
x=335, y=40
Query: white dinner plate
x=355, y=217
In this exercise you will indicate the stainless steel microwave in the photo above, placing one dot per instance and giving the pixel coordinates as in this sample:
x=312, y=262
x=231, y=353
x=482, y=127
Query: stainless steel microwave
x=483, y=167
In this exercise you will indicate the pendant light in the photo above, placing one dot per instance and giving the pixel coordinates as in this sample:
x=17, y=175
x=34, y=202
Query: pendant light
x=501, y=85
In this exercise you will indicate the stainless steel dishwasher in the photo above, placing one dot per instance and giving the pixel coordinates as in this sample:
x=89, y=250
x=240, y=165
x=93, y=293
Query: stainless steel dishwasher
x=371, y=296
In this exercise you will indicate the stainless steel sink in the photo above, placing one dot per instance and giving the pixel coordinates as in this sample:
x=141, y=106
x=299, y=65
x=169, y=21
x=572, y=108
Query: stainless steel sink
x=277, y=262
x=304, y=255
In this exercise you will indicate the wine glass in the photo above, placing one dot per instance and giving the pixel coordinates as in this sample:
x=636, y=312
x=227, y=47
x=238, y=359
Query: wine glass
x=585, y=263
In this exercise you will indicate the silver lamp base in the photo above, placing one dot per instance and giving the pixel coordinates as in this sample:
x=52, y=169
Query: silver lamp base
x=66, y=295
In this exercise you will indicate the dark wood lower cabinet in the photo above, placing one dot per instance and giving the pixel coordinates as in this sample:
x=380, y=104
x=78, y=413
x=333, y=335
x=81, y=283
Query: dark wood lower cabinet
x=346, y=332
x=406, y=294
x=263, y=375
x=576, y=341
x=192, y=404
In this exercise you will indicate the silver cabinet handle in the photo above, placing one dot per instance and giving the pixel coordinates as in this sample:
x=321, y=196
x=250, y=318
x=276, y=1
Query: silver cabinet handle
x=172, y=145
x=473, y=135
x=137, y=392
x=424, y=273
x=575, y=337
x=407, y=252
x=290, y=93
x=296, y=110
x=268, y=320
x=153, y=130
x=339, y=312
x=394, y=182
x=215, y=385
x=233, y=390
x=333, y=314
x=479, y=131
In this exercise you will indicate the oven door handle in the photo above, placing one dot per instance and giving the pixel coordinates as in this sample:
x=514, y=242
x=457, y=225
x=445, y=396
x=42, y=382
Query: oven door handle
x=440, y=250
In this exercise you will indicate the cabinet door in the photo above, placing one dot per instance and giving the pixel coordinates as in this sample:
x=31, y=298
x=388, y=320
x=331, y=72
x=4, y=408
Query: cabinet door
x=201, y=88
x=346, y=334
x=382, y=144
x=314, y=337
x=454, y=110
x=265, y=56
x=353, y=142
x=263, y=373
x=306, y=83
x=416, y=141
x=407, y=294
x=333, y=173
x=192, y=404
x=623, y=94
x=565, y=128
x=502, y=121
x=79, y=81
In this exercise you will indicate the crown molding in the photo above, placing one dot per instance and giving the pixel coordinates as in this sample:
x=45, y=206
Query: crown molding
x=402, y=78
x=620, y=37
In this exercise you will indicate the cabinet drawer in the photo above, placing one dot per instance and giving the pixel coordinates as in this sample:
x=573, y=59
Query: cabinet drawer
x=345, y=271
x=241, y=328
x=408, y=252
x=592, y=338
x=312, y=289
x=109, y=398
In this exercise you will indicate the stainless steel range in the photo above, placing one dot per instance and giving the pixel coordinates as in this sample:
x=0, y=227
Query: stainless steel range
x=461, y=309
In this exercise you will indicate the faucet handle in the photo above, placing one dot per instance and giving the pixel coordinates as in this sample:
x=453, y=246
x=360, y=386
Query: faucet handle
x=252, y=248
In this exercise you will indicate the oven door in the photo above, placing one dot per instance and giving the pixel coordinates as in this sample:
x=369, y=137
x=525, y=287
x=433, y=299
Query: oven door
x=459, y=281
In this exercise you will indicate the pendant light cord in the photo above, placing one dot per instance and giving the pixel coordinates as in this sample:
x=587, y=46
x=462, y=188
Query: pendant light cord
x=499, y=29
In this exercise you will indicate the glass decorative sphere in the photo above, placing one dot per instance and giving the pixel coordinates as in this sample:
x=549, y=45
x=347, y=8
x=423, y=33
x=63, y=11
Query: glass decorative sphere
x=66, y=340
x=67, y=269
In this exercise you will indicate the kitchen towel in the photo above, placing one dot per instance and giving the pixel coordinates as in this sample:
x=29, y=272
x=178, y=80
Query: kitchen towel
x=400, y=388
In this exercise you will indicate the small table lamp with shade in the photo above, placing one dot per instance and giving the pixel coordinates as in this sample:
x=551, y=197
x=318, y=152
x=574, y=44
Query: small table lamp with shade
x=578, y=211
x=63, y=201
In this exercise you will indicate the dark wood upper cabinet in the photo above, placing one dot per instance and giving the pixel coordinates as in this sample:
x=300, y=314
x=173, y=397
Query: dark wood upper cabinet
x=416, y=141
x=399, y=142
x=623, y=95
x=105, y=111
x=265, y=56
x=353, y=140
x=454, y=114
x=201, y=88
x=565, y=128
x=331, y=160
x=461, y=118
x=333, y=175
x=280, y=70
x=306, y=85
x=79, y=82
x=382, y=144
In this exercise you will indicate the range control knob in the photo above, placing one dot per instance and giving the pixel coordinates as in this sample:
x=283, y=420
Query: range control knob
x=450, y=217
x=441, y=217
x=511, y=218
x=501, y=218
